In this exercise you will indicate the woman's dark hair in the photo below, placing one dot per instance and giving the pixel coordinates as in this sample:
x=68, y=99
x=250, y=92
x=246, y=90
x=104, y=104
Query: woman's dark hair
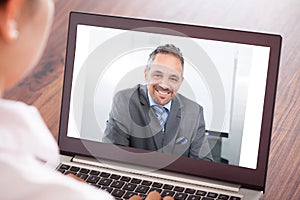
x=2, y=2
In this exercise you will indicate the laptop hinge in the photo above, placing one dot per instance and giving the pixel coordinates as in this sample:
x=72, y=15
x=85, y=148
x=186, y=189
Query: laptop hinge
x=161, y=174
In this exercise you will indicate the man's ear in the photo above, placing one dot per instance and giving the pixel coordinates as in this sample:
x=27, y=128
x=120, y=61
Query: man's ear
x=9, y=20
x=145, y=73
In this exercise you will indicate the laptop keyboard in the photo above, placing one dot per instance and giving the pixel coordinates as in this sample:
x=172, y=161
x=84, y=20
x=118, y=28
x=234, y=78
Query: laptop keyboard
x=123, y=187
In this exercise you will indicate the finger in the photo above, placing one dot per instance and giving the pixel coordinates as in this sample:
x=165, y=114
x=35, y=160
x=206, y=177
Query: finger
x=168, y=198
x=75, y=177
x=135, y=197
x=154, y=195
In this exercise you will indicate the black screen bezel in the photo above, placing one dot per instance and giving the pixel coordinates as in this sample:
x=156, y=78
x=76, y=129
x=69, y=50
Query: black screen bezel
x=249, y=178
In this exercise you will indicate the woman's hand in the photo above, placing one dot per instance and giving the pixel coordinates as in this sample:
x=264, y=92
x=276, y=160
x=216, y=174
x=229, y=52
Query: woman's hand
x=152, y=196
x=75, y=177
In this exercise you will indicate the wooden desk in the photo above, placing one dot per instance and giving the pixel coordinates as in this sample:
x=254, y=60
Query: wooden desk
x=43, y=87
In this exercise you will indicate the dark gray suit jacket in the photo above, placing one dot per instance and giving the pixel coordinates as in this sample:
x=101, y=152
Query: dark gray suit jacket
x=132, y=122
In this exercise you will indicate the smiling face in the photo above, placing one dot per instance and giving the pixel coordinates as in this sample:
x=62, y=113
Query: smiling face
x=164, y=77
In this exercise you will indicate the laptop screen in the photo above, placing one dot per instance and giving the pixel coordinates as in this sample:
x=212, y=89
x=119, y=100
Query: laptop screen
x=224, y=92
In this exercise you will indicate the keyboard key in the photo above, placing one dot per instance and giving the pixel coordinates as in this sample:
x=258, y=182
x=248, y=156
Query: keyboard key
x=94, y=172
x=207, y=198
x=223, y=197
x=115, y=176
x=235, y=198
x=167, y=193
x=105, y=182
x=212, y=195
x=193, y=197
x=108, y=189
x=82, y=176
x=136, y=181
x=118, y=193
x=61, y=171
x=129, y=186
x=104, y=174
x=125, y=178
x=179, y=189
x=65, y=167
x=189, y=191
x=93, y=179
x=168, y=187
x=69, y=172
x=142, y=189
x=157, y=185
x=180, y=196
x=117, y=184
x=84, y=171
x=201, y=193
x=147, y=183
x=74, y=169
x=143, y=196
x=129, y=194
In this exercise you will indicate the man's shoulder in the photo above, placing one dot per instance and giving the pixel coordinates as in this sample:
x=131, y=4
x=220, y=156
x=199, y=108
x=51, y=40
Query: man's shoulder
x=129, y=92
x=186, y=102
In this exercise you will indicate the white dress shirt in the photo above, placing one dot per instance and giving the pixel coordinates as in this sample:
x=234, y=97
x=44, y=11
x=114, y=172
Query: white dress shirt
x=25, y=141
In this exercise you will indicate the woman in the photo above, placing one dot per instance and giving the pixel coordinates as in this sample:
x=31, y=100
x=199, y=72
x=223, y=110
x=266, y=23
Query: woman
x=25, y=141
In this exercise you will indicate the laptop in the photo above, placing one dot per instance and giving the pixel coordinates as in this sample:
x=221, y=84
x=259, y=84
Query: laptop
x=232, y=74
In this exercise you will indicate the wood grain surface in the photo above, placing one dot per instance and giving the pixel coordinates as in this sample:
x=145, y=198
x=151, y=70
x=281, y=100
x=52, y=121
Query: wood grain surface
x=43, y=87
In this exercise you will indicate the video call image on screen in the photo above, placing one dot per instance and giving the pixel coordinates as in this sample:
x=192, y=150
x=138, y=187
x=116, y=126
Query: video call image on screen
x=227, y=79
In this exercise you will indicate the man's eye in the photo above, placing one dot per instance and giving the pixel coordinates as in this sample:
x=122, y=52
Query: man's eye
x=174, y=80
x=157, y=75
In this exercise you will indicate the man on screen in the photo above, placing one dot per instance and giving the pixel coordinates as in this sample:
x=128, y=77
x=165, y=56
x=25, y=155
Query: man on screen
x=154, y=116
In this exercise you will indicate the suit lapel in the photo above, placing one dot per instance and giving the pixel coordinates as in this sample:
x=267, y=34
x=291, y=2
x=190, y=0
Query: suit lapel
x=173, y=123
x=157, y=136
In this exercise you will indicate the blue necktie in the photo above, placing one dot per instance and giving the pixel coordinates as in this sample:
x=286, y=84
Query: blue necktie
x=161, y=115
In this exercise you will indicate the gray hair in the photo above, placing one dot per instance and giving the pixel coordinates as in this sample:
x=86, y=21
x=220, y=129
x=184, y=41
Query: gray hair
x=166, y=49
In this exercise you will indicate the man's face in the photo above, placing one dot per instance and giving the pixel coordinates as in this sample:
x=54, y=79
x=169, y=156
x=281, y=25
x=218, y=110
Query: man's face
x=164, y=78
